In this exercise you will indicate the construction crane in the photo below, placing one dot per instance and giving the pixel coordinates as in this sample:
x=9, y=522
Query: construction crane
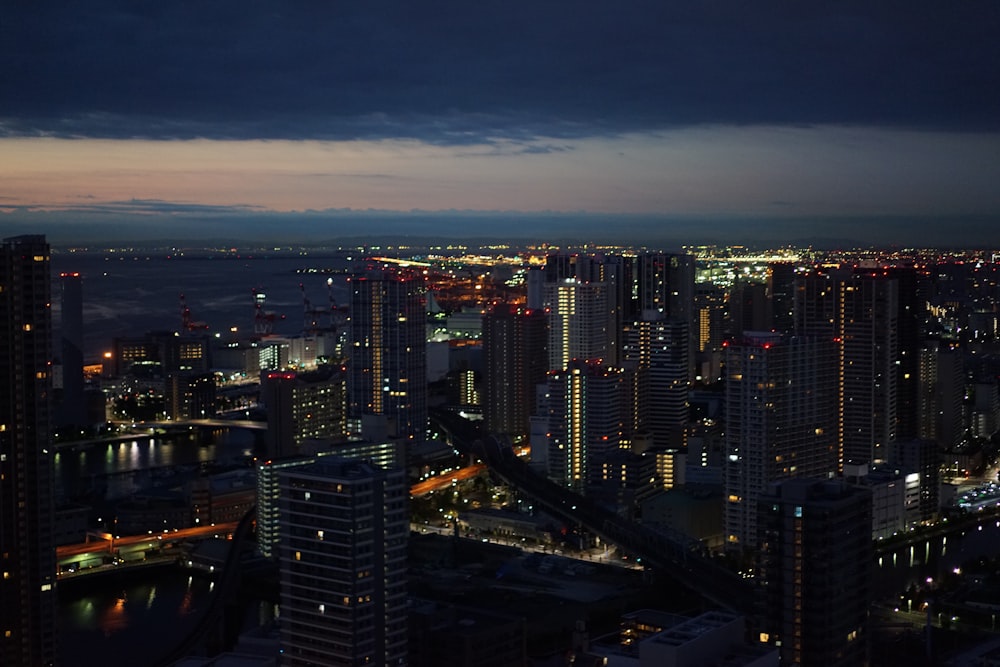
x=311, y=315
x=263, y=320
x=187, y=323
x=338, y=314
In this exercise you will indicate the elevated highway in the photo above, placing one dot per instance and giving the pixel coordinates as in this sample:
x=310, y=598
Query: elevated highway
x=670, y=553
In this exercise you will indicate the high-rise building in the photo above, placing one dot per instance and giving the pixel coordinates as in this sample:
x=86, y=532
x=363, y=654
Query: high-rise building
x=381, y=454
x=815, y=305
x=515, y=360
x=388, y=351
x=344, y=526
x=781, y=291
x=710, y=313
x=942, y=390
x=578, y=322
x=816, y=571
x=664, y=283
x=302, y=406
x=585, y=421
x=749, y=307
x=861, y=313
x=911, y=311
x=660, y=349
x=867, y=328
x=72, y=406
x=780, y=421
x=27, y=551
x=611, y=271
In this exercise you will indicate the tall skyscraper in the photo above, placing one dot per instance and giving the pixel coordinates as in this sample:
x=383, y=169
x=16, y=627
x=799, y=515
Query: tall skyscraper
x=781, y=292
x=344, y=526
x=867, y=329
x=861, y=313
x=780, y=421
x=611, y=271
x=911, y=311
x=942, y=390
x=72, y=408
x=388, y=351
x=664, y=283
x=816, y=571
x=515, y=356
x=578, y=322
x=659, y=347
x=27, y=551
x=585, y=421
x=815, y=305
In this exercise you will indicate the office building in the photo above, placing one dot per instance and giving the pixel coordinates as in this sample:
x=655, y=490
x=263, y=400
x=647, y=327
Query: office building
x=515, y=360
x=781, y=421
x=388, y=351
x=173, y=353
x=27, y=551
x=816, y=571
x=343, y=528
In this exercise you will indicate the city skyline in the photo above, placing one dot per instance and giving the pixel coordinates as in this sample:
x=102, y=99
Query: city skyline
x=698, y=123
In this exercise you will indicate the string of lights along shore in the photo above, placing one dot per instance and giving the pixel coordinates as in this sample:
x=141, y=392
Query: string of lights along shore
x=469, y=455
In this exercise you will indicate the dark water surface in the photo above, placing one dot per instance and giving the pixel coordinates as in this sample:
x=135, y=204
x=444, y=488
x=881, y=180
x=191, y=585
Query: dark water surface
x=127, y=294
x=128, y=619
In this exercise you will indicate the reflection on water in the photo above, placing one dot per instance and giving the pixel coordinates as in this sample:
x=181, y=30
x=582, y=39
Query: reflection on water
x=119, y=469
x=136, y=618
x=115, y=617
x=911, y=565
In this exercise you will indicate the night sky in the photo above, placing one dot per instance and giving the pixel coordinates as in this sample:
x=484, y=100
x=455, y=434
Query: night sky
x=726, y=121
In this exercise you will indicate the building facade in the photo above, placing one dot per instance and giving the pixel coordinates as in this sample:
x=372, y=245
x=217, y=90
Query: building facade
x=781, y=421
x=578, y=322
x=301, y=406
x=816, y=571
x=27, y=551
x=344, y=526
x=515, y=360
x=585, y=421
x=388, y=351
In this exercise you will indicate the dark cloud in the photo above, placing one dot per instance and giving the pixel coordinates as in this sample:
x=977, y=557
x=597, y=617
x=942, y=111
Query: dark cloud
x=455, y=71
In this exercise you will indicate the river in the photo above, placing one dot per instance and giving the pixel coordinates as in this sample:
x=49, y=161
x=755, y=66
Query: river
x=127, y=618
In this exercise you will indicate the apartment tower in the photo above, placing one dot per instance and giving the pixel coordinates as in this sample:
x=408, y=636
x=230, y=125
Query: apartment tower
x=342, y=562
x=388, y=351
x=27, y=551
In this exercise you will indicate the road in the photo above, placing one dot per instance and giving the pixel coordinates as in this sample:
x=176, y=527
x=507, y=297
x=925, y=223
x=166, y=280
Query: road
x=154, y=539
x=444, y=480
